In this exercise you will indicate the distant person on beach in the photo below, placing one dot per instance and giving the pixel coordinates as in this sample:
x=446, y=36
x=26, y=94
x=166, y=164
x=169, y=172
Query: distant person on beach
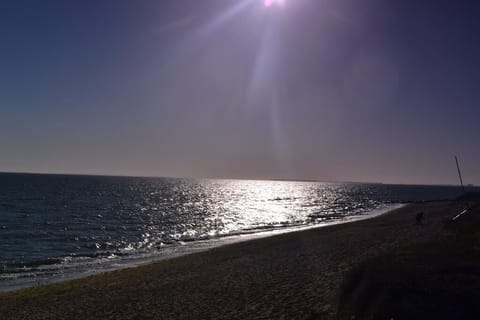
x=419, y=217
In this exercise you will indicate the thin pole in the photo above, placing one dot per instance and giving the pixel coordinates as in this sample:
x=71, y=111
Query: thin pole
x=459, y=175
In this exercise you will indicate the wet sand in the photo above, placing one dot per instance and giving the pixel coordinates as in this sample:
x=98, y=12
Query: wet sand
x=298, y=275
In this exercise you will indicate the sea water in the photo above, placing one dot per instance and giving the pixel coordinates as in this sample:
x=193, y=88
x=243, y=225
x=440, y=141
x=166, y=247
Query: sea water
x=55, y=227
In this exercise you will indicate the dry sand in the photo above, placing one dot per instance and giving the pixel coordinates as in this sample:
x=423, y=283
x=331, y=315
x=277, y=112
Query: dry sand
x=297, y=275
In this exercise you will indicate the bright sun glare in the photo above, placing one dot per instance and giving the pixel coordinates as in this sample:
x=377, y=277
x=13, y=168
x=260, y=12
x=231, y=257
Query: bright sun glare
x=269, y=3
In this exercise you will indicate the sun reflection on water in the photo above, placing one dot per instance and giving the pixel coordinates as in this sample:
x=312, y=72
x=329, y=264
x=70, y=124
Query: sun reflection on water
x=119, y=220
x=253, y=205
x=174, y=211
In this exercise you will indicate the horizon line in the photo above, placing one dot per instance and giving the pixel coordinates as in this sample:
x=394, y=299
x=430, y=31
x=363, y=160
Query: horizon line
x=223, y=178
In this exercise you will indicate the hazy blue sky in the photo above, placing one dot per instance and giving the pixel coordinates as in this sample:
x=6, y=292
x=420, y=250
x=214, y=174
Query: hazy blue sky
x=371, y=90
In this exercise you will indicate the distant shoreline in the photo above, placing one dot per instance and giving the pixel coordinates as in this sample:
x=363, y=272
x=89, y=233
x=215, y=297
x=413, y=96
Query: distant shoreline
x=241, y=179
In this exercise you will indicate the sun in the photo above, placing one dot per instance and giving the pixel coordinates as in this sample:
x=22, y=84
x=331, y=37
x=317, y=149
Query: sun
x=270, y=3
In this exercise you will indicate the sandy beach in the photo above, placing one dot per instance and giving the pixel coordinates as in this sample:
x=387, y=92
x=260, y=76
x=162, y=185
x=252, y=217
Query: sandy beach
x=299, y=275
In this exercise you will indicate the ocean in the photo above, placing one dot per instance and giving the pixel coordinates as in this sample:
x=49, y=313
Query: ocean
x=57, y=227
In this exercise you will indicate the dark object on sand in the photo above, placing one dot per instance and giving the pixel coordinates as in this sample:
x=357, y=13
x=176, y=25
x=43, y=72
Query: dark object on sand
x=419, y=217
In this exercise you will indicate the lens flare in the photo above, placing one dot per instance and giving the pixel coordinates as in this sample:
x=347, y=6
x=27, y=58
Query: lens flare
x=270, y=3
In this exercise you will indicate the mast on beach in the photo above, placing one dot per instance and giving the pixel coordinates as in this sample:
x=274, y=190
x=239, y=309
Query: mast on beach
x=459, y=174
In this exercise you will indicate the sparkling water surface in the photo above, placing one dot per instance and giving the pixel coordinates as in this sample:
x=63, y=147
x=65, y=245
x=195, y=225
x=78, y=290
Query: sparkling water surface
x=59, y=226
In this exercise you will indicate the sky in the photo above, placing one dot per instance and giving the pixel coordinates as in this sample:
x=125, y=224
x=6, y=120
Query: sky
x=331, y=90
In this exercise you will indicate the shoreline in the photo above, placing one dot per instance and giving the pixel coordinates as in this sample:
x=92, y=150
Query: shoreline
x=187, y=248
x=293, y=275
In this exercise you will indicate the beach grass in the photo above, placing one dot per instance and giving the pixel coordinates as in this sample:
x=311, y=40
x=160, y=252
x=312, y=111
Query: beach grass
x=384, y=266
